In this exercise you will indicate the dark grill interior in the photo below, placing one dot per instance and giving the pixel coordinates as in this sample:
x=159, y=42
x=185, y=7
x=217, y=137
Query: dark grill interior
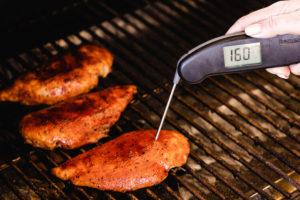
x=244, y=129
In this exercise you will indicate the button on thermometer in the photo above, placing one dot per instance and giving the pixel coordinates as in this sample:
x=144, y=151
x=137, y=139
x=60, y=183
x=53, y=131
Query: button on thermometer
x=231, y=54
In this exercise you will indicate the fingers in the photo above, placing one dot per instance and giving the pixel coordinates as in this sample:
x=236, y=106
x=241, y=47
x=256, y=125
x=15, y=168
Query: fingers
x=295, y=69
x=275, y=25
x=278, y=8
x=282, y=72
x=254, y=17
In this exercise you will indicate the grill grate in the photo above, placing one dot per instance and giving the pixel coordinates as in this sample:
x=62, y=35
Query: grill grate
x=243, y=129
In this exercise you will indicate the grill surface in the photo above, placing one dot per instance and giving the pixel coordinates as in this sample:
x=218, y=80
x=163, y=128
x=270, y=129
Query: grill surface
x=244, y=129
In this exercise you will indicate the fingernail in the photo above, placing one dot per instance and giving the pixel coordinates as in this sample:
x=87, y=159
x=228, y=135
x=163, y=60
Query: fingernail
x=253, y=29
x=283, y=76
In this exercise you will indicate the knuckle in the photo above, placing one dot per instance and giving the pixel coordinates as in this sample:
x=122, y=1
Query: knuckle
x=272, y=22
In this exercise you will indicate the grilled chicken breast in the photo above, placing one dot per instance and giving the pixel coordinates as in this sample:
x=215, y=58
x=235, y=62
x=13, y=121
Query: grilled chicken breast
x=77, y=121
x=63, y=77
x=130, y=162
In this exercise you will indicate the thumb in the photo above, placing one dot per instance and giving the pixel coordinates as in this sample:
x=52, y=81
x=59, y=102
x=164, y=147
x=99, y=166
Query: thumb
x=275, y=25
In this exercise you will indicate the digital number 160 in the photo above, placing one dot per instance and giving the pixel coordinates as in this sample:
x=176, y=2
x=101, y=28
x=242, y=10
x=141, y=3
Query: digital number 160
x=239, y=54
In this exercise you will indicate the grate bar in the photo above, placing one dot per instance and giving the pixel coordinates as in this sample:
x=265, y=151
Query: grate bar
x=255, y=106
x=287, y=88
x=280, y=96
x=14, y=192
x=295, y=81
x=264, y=98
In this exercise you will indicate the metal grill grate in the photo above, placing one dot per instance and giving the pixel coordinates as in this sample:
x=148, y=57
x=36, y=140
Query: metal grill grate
x=243, y=129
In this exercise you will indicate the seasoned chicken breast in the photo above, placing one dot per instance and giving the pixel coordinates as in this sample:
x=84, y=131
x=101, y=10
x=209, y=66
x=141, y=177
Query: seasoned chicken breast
x=78, y=121
x=130, y=162
x=63, y=77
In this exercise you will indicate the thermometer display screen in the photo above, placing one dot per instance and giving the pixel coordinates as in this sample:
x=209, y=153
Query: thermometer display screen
x=242, y=55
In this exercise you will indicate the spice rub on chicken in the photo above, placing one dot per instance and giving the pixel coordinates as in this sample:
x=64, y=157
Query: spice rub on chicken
x=130, y=162
x=78, y=121
x=73, y=73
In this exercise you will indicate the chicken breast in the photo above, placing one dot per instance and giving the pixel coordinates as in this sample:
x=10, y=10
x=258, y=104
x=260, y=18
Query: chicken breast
x=63, y=77
x=130, y=162
x=78, y=121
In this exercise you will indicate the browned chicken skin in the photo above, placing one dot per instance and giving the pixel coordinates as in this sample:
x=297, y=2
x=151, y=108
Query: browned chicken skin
x=130, y=162
x=78, y=121
x=66, y=76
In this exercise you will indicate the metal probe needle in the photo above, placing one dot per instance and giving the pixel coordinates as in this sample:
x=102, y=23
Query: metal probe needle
x=166, y=111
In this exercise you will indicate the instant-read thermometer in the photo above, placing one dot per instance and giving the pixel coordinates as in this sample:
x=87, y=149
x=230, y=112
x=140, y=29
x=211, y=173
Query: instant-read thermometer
x=233, y=53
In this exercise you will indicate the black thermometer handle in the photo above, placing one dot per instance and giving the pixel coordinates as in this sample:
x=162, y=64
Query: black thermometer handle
x=237, y=53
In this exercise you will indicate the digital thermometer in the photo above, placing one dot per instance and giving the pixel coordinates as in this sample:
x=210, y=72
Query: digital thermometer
x=237, y=53
x=234, y=53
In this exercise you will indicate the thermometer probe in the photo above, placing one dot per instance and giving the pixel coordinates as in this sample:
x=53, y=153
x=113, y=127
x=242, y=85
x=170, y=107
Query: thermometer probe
x=230, y=54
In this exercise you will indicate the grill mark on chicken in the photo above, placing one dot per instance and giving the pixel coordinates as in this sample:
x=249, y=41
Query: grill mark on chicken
x=73, y=73
x=77, y=121
x=130, y=162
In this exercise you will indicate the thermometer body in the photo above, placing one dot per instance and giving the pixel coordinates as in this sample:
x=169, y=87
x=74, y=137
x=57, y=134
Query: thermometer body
x=230, y=54
x=237, y=53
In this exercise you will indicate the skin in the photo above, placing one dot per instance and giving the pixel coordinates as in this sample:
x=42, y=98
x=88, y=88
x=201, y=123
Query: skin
x=78, y=121
x=65, y=76
x=282, y=17
x=129, y=162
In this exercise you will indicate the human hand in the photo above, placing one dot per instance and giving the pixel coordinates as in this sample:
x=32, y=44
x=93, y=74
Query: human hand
x=282, y=17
